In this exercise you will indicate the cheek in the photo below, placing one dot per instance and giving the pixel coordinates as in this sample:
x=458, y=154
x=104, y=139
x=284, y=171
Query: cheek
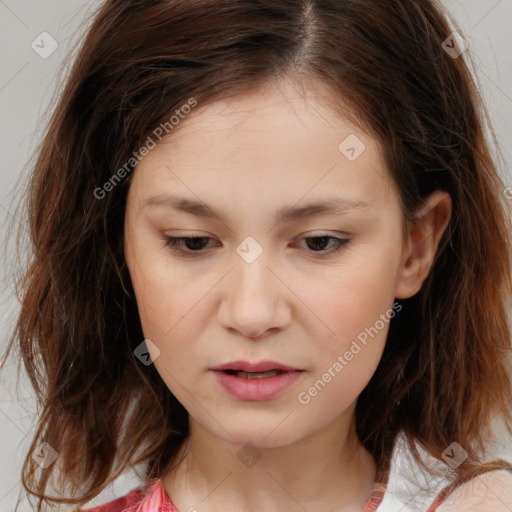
x=155, y=284
x=166, y=307
x=165, y=316
x=347, y=358
x=356, y=309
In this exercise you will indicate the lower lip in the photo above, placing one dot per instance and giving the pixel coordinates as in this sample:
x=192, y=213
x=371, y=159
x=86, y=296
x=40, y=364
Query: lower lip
x=256, y=389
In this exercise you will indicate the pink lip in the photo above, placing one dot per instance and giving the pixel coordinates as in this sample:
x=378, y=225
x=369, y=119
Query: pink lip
x=246, y=366
x=255, y=389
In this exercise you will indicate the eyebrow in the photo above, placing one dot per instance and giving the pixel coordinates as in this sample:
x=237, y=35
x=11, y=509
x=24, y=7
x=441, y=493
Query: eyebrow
x=287, y=214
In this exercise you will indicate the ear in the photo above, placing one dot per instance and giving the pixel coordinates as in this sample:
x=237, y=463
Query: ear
x=424, y=234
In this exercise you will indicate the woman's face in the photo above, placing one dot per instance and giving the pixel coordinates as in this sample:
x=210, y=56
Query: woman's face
x=264, y=277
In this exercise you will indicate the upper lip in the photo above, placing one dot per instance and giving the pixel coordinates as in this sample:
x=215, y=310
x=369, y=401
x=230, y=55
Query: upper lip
x=260, y=366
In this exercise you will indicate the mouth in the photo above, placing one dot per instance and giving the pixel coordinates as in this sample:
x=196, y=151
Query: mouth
x=253, y=375
x=260, y=381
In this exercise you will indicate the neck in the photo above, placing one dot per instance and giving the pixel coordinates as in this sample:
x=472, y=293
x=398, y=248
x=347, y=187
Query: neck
x=328, y=469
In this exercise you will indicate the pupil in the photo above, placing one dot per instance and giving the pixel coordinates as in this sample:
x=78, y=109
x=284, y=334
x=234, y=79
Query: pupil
x=324, y=240
x=192, y=243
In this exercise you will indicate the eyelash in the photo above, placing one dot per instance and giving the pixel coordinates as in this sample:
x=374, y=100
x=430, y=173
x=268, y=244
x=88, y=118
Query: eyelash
x=173, y=244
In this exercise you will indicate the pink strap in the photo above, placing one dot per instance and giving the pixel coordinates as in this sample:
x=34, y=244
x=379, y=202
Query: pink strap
x=375, y=498
x=439, y=499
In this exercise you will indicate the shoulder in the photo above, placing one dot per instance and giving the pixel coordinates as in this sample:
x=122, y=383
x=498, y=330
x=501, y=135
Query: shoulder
x=489, y=492
x=122, y=504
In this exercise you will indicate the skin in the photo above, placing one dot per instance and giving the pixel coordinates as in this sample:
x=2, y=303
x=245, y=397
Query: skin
x=488, y=492
x=248, y=157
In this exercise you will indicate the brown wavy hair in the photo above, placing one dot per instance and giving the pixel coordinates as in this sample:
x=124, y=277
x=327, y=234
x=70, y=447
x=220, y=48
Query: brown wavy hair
x=443, y=374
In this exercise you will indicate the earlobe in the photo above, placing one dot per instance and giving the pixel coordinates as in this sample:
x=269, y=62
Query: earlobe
x=424, y=235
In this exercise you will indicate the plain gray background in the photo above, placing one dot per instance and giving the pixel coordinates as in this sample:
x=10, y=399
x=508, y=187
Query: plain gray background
x=27, y=83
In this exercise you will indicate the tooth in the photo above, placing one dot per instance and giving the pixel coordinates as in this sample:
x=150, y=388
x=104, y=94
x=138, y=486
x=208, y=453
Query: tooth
x=257, y=375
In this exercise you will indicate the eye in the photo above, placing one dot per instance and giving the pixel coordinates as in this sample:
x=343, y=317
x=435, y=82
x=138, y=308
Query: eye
x=193, y=244
x=196, y=245
x=317, y=243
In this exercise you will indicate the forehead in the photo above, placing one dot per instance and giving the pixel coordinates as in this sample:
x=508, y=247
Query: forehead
x=278, y=107
x=279, y=140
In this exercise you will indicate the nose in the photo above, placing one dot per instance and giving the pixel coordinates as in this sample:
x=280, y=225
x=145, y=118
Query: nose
x=255, y=302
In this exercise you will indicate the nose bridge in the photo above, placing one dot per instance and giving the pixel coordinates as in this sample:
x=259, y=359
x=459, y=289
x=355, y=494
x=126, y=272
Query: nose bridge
x=253, y=279
x=253, y=300
x=251, y=270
